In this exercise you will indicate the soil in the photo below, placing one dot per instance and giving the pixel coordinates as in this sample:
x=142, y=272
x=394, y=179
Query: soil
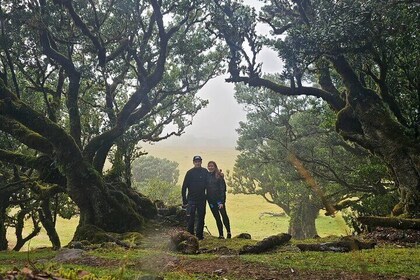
x=238, y=269
x=401, y=237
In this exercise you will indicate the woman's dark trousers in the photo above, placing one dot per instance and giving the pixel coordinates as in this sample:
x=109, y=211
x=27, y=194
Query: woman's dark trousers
x=216, y=213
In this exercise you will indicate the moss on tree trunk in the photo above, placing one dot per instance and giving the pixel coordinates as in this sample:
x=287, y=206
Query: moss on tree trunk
x=382, y=134
x=110, y=206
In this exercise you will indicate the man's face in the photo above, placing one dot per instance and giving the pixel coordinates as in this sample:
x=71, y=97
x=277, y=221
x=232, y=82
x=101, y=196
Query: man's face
x=197, y=163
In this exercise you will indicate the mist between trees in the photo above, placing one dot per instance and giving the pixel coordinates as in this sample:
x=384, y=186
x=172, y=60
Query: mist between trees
x=83, y=82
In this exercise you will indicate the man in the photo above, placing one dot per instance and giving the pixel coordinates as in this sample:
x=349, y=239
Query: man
x=194, y=196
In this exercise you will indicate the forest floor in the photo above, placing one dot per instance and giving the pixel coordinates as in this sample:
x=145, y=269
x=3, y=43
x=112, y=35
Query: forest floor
x=218, y=259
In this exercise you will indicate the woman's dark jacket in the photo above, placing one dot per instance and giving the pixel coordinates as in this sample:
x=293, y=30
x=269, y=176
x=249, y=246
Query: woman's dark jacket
x=216, y=189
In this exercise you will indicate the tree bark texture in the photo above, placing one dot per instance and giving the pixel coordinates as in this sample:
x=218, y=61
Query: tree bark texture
x=46, y=218
x=302, y=220
x=111, y=206
x=20, y=240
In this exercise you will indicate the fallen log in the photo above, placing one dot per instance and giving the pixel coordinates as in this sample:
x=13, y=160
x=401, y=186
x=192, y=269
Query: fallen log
x=266, y=244
x=341, y=246
x=398, y=223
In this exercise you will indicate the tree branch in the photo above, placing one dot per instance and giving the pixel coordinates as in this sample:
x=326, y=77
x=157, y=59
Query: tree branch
x=65, y=147
x=85, y=30
x=335, y=101
x=19, y=159
x=26, y=136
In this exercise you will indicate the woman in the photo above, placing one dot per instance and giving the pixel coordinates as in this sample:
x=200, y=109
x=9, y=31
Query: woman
x=216, y=197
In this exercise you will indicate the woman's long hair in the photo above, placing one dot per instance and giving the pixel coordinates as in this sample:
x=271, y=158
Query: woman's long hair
x=216, y=169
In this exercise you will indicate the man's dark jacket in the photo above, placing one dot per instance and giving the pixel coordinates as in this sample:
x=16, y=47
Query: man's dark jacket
x=195, y=182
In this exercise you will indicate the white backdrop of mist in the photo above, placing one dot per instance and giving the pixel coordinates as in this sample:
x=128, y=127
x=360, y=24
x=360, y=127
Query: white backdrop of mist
x=216, y=124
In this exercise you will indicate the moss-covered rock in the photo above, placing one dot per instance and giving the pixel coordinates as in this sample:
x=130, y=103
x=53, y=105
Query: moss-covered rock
x=184, y=242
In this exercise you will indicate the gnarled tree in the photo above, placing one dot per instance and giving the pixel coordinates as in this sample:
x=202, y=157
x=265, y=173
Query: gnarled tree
x=77, y=78
x=278, y=127
x=364, y=58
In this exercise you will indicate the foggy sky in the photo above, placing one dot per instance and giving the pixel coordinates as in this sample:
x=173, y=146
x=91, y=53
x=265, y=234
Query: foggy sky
x=216, y=124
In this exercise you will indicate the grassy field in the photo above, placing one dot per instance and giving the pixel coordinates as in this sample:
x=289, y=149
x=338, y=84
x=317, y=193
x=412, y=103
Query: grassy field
x=244, y=210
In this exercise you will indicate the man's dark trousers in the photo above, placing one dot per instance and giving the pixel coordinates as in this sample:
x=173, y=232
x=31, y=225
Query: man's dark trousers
x=198, y=207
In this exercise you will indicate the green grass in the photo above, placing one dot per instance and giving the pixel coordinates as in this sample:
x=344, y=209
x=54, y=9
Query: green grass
x=390, y=261
x=125, y=264
x=37, y=254
x=65, y=229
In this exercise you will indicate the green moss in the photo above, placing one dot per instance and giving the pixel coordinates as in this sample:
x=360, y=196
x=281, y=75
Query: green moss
x=398, y=209
x=211, y=242
x=90, y=233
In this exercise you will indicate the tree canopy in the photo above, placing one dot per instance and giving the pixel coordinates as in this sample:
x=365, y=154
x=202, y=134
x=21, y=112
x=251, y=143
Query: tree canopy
x=157, y=178
x=83, y=82
x=358, y=56
x=278, y=127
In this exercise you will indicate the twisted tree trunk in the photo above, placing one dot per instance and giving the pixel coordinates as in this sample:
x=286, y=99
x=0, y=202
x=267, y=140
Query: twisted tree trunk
x=302, y=220
x=4, y=203
x=379, y=131
x=47, y=222
x=111, y=206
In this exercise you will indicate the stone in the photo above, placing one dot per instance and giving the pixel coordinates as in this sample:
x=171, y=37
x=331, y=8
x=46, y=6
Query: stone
x=65, y=255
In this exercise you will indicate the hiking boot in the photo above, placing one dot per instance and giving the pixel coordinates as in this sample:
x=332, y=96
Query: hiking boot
x=229, y=236
x=221, y=237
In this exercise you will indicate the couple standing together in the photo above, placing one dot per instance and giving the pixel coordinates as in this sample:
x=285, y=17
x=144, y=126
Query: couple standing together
x=201, y=185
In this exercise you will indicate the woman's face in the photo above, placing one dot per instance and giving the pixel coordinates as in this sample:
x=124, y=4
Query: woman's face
x=211, y=167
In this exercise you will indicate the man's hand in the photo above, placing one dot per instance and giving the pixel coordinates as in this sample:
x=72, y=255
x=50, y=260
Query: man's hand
x=221, y=173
